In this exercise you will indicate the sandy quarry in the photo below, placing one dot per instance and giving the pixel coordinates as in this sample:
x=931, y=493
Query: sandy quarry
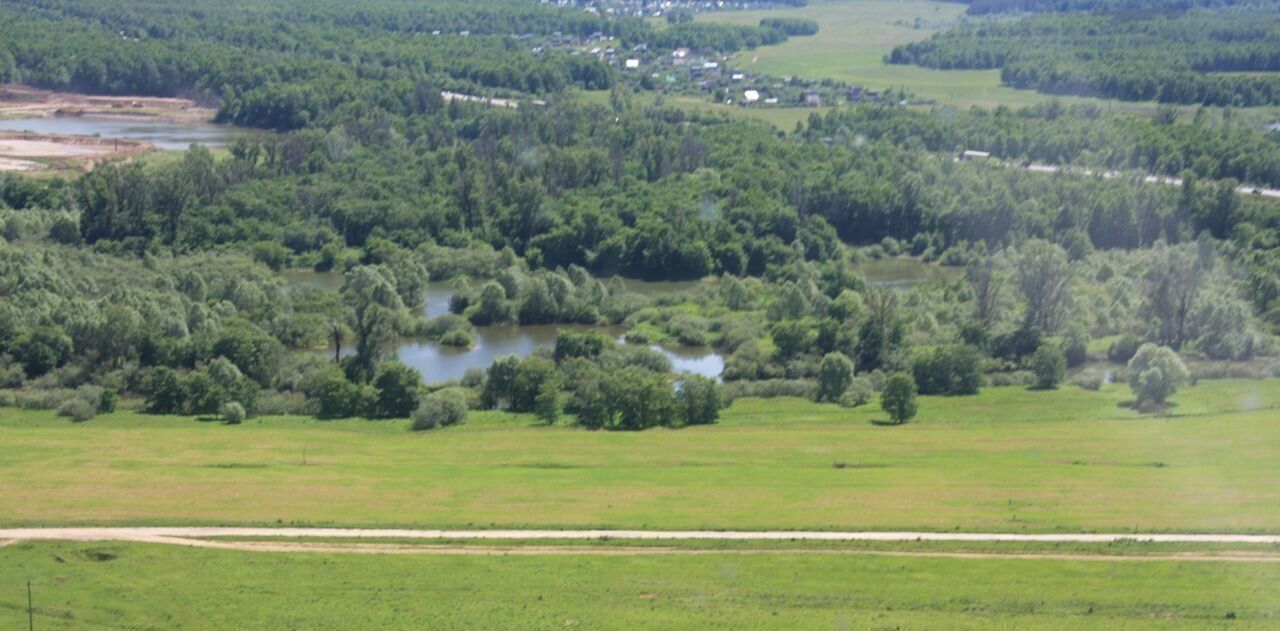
x=26, y=101
x=62, y=152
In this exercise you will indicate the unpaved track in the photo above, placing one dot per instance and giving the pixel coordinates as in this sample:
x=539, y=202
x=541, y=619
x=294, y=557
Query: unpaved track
x=194, y=535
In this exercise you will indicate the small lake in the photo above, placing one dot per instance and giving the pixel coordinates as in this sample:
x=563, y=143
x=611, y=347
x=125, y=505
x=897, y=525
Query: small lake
x=442, y=363
x=162, y=134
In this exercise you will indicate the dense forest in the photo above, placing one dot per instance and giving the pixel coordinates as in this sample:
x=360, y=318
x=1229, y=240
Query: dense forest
x=982, y=7
x=156, y=281
x=1191, y=57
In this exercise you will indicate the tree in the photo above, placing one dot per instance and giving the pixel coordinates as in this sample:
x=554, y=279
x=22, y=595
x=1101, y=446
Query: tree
x=835, y=373
x=374, y=307
x=1049, y=365
x=440, y=409
x=164, y=391
x=397, y=387
x=698, y=398
x=1044, y=278
x=499, y=381
x=1155, y=373
x=587, y=344
x=535, y=377
x=986, y=286
x=547, y=405
x=493, y=307
x=898, y=399
x=43, y=349
x=339, y=398
x=882, y=330
x=1171, y=287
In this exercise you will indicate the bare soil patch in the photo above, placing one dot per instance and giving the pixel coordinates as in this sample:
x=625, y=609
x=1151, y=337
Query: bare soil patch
x=64, y=152
x=26, y=101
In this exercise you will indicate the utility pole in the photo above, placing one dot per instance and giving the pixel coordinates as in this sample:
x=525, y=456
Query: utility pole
x=31, y=616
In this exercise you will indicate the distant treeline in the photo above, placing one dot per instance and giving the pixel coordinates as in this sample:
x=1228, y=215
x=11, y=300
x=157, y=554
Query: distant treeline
x=983, y=7
x=1178, y=59
x=791, y=26
x=286, y=63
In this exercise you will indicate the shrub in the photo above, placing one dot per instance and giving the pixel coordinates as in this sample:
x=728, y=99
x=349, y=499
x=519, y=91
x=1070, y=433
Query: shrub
x=1123, y=349
x=698, y=398
x=439, y=409
x=899, y=398
x=1049, y=365
x=78, y=409
x=948, y=370
x=769, y=389
x=232, y=413
x=858, y=393
x=1089, y=381
x=1155, y=373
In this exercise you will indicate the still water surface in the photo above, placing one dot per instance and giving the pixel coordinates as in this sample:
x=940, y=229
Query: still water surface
x=162, y=134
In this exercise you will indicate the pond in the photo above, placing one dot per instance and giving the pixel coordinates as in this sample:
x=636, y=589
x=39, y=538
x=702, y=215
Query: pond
x=441, y=363
x=162, y=134
x=438, y=363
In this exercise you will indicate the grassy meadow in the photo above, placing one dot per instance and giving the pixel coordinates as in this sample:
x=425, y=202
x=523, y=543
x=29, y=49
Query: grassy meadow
x=1009, y=459
x=855, y=35
x=149, y=586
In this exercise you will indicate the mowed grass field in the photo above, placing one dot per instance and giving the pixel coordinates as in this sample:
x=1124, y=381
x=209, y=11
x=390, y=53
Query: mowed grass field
x=151, y=586
x=1009, y=459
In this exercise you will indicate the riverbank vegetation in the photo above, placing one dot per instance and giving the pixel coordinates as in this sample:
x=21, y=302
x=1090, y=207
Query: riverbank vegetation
x=155, y=282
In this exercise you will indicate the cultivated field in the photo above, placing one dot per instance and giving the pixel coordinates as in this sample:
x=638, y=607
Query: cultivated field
x=148, y=586
x=1008, y=460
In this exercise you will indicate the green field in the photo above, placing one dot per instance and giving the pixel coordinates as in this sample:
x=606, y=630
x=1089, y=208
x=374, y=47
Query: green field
x=1009, y=459
x=855, y=35
x=140, y=586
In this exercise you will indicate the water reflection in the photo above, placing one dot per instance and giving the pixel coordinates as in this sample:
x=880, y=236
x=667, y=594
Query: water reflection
x=442, y=363
x=162, y=134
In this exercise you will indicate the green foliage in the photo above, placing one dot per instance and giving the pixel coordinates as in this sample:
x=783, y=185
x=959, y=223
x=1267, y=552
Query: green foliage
x=698, y=399
x=1173, y=59
x=1049, y=365
x=898, y=399
x=337, y=397
x=953, y=370
x=835, y=373
x=232, y=413
x=587, y=344
x=397, y=390
x=1155, y=373
x=439, y=409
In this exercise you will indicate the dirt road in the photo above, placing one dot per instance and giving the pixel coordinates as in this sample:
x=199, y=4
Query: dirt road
x=162, y=534
x=358, y=543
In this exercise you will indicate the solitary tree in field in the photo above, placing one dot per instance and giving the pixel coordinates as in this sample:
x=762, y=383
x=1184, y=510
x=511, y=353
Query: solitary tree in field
x=1155, y=373
x=899, y=397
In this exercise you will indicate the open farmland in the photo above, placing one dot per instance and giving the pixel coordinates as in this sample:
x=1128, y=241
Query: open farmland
x=1007, y=460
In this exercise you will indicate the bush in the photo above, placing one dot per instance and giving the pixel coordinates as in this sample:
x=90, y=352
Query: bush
x=769, y=389
x=1014, y=378
x=899, y=398
x=698, y=398
x=1123, y=349
x=952, y=370
x=1088, y=380
x=78, y=409
x=439, y=409
x=459, y=338
x=1155, y=373
x=232, y=413
x=858, y=393
x=1049, y=365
